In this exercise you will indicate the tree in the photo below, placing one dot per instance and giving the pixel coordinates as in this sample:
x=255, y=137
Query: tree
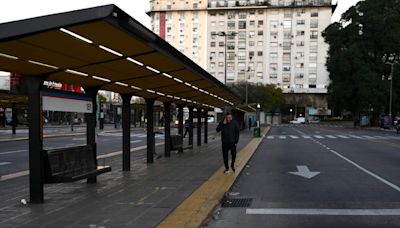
x=267, y=95
x=366, y=33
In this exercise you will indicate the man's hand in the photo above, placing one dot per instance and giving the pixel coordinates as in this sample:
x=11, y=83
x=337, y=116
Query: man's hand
x=225, y=120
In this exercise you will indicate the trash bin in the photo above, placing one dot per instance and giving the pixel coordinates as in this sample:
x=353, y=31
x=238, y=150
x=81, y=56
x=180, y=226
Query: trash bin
x=256, y=132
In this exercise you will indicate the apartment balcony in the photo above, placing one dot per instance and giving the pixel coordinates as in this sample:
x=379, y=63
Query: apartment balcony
x=266, y=3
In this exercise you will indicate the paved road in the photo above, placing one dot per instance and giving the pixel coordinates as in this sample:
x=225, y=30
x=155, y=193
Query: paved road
x=308, y=176
x=14, y=155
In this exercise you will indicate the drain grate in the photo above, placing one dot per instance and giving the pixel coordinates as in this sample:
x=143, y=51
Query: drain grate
x=238, y=202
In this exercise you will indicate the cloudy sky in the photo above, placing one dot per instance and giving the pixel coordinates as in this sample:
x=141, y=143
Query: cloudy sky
x=22, y=9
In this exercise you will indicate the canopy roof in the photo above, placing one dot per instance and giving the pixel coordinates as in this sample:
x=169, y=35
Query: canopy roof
x=104, y=47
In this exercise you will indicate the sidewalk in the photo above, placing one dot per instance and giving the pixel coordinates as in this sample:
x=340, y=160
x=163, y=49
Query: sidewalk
x=140, y=198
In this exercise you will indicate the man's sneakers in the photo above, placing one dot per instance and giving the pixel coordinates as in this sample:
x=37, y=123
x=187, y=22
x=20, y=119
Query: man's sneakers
x=233, y=168
x=226, y=171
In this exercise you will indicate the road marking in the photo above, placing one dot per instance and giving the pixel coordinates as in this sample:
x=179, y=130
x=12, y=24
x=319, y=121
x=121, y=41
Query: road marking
x=270, y=137
x=330, y=136
x=78, y=139
x=303, y=171
x=368, y=137
x=282, y=137
x=355, y=136
x=293, y=136
x=5, y=163
x=306, y=136
x=379, y=137
x=136, y=141
x=318, y=137
x=13, y=152
x=318, y=211
x=383, y=180
x=342, y=136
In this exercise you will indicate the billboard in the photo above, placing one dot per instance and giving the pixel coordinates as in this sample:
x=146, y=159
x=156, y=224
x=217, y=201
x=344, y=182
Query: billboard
x=4, y=80
x=62, y=101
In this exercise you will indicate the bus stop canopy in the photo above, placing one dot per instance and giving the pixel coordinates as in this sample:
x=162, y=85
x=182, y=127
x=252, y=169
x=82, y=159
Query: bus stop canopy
x=105, y=48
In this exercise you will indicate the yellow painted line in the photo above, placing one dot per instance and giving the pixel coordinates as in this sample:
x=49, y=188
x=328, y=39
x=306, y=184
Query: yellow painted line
x=197, y=207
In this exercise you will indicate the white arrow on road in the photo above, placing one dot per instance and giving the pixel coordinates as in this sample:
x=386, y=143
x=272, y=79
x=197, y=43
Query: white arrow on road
x=303, y=171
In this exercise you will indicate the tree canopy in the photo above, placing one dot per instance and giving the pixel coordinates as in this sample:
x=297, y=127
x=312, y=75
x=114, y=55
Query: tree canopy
x=358, y=43
x=267, y=95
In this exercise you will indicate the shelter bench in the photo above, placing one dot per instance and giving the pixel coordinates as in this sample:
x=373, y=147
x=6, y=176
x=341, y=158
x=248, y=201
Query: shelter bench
x=71, y=164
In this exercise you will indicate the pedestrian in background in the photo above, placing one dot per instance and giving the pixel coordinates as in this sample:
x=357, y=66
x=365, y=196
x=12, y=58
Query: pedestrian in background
x=229, y=136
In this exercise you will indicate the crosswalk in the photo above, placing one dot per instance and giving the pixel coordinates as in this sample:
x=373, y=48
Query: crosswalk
x=308, y=125
x=343, y=136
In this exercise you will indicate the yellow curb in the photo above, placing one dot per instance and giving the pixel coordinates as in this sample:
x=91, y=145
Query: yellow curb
x=197, y=207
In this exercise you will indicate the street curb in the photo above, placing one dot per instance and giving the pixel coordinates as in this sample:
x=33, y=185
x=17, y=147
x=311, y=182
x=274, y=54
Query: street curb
x=196, y=208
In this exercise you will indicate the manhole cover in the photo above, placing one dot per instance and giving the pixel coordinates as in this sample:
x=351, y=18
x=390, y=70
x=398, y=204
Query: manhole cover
x=238, y=202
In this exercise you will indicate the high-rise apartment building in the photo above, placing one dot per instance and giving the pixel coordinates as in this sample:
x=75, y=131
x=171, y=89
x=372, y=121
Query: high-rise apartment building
x=269, y=41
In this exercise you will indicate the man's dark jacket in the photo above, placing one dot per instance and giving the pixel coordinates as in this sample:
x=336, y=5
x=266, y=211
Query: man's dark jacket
x=230, y=132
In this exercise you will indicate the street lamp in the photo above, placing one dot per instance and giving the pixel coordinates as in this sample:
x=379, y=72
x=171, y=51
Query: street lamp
x=391, y=59
x=224, y=34
x=291, y=110
x=258, y=114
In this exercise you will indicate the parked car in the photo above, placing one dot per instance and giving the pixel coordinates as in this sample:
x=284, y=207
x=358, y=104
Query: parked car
x=315, y=120
x=298, y=120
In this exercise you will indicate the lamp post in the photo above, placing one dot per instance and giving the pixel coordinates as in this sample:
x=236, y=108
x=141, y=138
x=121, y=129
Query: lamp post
x=258, y=114
x=224, y=34
x=391, y=59
x=291, y=110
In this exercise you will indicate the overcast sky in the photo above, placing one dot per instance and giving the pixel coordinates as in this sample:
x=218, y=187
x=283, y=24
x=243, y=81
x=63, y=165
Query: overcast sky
x=11, y=10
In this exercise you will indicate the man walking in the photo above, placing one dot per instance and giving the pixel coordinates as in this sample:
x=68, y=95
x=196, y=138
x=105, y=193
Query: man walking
x=229, y=136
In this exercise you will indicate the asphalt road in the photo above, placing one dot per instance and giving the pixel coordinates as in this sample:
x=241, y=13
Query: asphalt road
x=14, y=155
x=310, y=176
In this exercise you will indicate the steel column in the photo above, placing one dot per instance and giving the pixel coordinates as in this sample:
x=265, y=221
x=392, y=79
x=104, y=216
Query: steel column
x=167, y=129
x=14, y=118
x=199, y=115
x=205, y=113
x=190, y=126
x=150, y=130
x=35, y=117
x=180, y=124
x=126, y=131
x=91, y=126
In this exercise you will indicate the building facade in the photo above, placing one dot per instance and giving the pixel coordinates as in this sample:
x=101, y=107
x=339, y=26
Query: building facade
x=262, y=41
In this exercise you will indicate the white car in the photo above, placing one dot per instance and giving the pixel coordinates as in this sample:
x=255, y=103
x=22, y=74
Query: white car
x=299, y=120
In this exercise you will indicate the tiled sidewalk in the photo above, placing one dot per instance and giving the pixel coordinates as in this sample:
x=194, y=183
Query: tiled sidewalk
x=140, y=198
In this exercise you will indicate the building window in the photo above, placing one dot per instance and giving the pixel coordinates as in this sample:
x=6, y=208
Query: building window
x=273, y=44
x=213, y=23
x=300, y=43
x=273, y=76
x=314, y=14
x=212, y=65
x=313, y=46
x=274, y=24
x=252, y=23
x=252, y=34
x=221, y=54
x=299, y=65
x=241, y=66
x=286, y=67
x=260, y=33
x=273, y=55
x=286, y=78
x=241, y=55
x=260, y=43
x=242, y=24
x=273, y=66
x=301, y=22
x=312, y=65
x=312, y=86
x=299, y=76
x=287, y=46
x=287, y=14
x=231, y=55
x=220, y=64
x=314, y=23
x=242, y=15
x=259, y=53
x=286, y=57
x=230, y=45
x=299, y=55
x=260, y=23
x=251, y=43
x=212, y=54
x=313, y=34
x=221, y=23
x=259, y=75
x=242, y=45
x=242, y=35
x=300, y=33
x=274, y=35
x=231, y=25
x=287, y=24
x=230, y=66
x=212, y=44
x=221, y=44
x=287, y=35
